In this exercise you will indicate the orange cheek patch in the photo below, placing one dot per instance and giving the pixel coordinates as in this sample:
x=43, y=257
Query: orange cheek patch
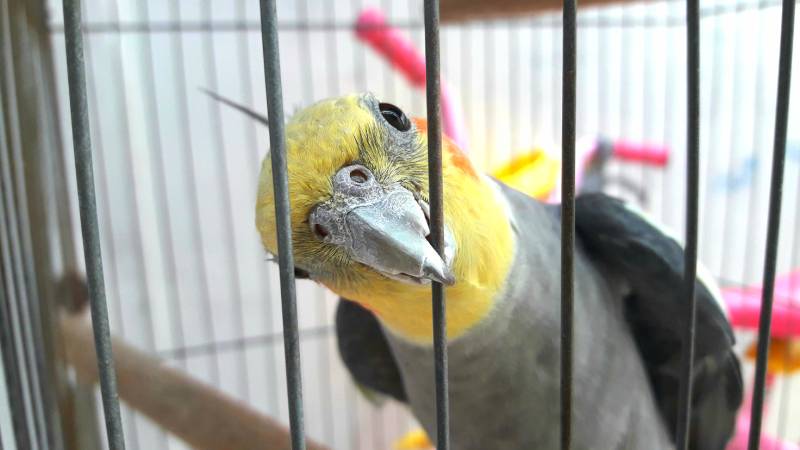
x=457, y=156
x=459, y=159
x=422, y=124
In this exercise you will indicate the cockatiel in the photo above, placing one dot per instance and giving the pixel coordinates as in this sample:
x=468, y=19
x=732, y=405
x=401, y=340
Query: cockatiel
x=358, y=192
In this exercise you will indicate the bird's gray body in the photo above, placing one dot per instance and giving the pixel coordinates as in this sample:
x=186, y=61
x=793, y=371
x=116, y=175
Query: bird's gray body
x=504, y=373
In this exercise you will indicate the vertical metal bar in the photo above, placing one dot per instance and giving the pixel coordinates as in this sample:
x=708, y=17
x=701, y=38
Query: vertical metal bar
x=10, y=392
x=280, y=180
x=6, y=425
x=12, y=345
x=19, y=233
x=33, y=163
x=692, y=199
x=89, y=227
x=111, y=269
x=434, y=114
x=568, y=95
x=18, y=402
x=773, y=224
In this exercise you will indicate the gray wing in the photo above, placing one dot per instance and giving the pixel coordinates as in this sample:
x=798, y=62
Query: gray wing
x=365, y=350
x=652, y=263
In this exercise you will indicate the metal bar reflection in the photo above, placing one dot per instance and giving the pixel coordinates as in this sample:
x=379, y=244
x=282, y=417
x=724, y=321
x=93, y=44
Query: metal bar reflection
x=89, y=226
x=277, y=141
x=773, y=224
x=567, y=215
x=434, y=115
x=692, y=199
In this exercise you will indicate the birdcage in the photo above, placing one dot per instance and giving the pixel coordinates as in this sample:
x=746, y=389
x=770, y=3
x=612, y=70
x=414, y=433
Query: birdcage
x=158, y=189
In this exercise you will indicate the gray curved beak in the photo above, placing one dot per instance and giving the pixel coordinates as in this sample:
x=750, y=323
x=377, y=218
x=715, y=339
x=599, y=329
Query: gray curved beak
x=389, y=235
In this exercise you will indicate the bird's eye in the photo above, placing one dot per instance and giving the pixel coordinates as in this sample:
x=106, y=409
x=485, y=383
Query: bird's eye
x=394, y=116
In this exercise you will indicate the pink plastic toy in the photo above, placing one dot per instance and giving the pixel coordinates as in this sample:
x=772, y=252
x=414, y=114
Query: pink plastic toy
x=372, y=28
x=741, y=435
x=744, y=306
x=588, y=151
x=654, y=155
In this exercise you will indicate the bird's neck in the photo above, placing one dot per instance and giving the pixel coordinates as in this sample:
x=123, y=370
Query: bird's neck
x=479, y=218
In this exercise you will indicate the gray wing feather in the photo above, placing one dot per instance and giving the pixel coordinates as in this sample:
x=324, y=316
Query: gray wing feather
x=365, y=350
x=652, y=263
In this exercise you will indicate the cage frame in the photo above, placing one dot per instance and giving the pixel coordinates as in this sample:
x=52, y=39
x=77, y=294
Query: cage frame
x=269, y=33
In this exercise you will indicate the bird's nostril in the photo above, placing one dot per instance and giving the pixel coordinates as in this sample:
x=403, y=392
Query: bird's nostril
x=359, y=176
x=320, y=231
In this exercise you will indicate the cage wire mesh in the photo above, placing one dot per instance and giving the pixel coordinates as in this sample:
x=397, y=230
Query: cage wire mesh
x=176, y=172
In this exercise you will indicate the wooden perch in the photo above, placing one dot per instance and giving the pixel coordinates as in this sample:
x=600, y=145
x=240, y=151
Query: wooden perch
x=202, y=416
x=453, y=11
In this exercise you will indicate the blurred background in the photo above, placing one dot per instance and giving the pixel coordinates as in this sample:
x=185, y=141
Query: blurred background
x=176, y=172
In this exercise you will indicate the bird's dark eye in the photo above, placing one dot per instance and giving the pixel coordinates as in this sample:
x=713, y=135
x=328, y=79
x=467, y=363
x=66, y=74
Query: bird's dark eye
x=394, y=116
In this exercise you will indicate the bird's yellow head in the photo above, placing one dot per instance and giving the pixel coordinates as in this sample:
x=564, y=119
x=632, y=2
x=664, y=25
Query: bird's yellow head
x=358, y=183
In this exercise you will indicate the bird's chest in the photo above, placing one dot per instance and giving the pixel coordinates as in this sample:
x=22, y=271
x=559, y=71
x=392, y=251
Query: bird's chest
x=504, y=380
x=499, y=379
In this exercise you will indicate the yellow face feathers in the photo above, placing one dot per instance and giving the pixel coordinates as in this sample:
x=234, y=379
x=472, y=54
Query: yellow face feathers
x=337, y=133
x=319, y=140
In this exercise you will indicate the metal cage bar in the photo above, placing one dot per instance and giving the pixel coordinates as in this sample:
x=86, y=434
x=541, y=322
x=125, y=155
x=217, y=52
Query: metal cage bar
x=280, y=180
x=19, y=408
x=568, y=93
x=692, y=210
x=11, y=350
x=76, y=73
x=774, y=220
x=434, y=115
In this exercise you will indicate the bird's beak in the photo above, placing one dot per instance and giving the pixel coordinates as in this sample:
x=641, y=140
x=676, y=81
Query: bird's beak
x=389, y=235
x=383, y=227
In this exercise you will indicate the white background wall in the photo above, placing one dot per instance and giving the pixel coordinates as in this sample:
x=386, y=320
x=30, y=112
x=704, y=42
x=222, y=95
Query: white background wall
x=176, y=174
